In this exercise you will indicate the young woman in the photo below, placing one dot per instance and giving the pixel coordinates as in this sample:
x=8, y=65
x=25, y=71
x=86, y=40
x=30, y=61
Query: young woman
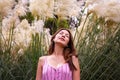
x=61, y=63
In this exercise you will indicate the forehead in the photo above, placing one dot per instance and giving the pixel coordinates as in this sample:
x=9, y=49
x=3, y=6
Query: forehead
x=64, y=31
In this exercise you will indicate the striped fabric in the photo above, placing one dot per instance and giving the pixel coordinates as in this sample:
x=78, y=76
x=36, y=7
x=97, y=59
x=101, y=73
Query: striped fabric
x=60, y=73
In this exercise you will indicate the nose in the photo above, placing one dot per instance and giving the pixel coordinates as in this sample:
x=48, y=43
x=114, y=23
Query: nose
x=63, y=35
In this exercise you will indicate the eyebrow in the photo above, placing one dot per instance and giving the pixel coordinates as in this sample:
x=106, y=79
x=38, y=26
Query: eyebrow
x=65, y=33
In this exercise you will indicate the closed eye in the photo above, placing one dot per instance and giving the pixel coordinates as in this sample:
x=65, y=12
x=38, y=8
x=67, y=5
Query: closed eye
x=67, y=36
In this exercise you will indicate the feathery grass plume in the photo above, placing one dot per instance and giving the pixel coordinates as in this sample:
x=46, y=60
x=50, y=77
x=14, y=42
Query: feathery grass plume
x=42, y=8
x=22, y=34
x=25, y=2
x=110, y=10
x=6, y=6
x=47, y=8
x=12, y=19
x=80, y=31
x=47, y=38
x=8, y=21
x=8, y=25
x=37, y=26
x=98, y=49
x=43, y=33
x=66, y=8
x=20, y=9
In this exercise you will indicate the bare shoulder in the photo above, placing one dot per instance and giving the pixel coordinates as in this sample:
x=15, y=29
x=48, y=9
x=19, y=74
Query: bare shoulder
x=74, y=58
x=76, y=73
x=42, y=59
x=75, y=61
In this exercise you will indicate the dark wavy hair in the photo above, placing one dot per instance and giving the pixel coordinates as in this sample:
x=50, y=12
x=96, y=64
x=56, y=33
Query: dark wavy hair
x=68, y=51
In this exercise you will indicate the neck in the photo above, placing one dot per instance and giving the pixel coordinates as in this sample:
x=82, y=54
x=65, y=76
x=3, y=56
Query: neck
x=58, y=50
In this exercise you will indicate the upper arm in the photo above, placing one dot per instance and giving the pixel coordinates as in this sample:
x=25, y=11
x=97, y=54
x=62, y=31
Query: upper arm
x=39, y=68
x=76, y=73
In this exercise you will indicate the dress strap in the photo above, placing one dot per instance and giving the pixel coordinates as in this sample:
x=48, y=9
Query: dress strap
x=45, y=61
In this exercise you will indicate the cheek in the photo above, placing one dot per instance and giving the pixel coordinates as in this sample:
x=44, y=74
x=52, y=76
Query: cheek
x=55, y=39
x=67, y=41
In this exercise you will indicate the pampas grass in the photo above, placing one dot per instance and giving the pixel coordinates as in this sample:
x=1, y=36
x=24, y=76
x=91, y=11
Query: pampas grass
x=97, y=41
x=107, y=9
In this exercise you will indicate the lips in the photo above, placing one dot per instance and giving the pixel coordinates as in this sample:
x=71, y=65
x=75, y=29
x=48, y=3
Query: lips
x=62, y=39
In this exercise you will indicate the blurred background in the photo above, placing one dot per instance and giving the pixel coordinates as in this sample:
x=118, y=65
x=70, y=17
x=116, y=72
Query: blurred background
x=26, y=27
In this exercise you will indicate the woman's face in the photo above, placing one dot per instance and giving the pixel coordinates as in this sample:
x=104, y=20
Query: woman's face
x=62, y=38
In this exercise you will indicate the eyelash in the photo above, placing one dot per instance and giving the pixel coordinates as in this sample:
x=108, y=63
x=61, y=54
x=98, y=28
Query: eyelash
x=65, y=35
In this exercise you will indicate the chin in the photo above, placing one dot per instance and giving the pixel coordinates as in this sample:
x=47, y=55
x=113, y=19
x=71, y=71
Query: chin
x=61, y=44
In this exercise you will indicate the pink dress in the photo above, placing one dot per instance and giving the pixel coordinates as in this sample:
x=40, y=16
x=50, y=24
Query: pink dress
x=60, y=73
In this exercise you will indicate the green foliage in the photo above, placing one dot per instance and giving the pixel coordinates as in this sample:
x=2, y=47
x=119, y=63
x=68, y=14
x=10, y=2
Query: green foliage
x=51, y=23
x=63, y=23
x=99, y=51
x=21, y=67
x=54, y=24
x=0, y=33
x=28, y=17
